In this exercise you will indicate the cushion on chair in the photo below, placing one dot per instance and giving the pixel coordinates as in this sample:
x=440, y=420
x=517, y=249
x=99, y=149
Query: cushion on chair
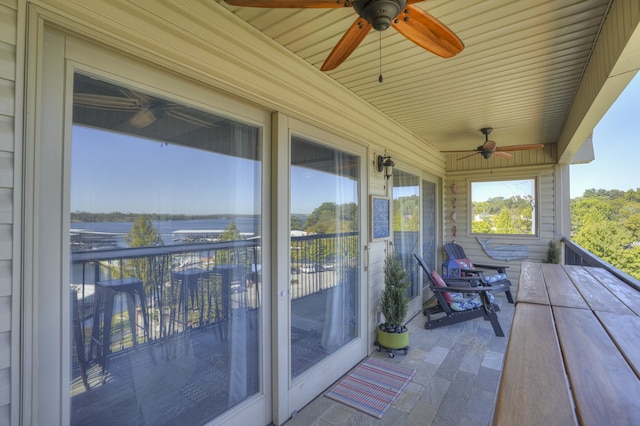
x=440, y=283
x=495, y=278
x=462, y=304
x=464, y=263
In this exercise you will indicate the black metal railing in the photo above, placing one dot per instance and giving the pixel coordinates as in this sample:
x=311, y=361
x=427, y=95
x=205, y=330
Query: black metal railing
x=577, y=255
x=195, y=285
x=183, y=287
x=318, y=261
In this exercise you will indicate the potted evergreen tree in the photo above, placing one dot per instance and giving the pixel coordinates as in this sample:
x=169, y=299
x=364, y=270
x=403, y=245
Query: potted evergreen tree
x=553, y=253
x=394, y=305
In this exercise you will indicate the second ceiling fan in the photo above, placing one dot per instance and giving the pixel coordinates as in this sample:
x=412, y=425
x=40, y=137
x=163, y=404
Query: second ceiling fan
x=410, y=21
x=490, y=148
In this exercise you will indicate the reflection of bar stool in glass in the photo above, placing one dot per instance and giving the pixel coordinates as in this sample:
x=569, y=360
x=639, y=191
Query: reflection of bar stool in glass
x=233, y=292
x=106, y=292
x=78, y=338
x=190, y=297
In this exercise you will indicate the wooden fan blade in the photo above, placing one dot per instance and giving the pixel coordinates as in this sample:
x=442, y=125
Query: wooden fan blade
x=190, y=119
x=471, y=155
x=459, y=152
x=427, y=32
x=347, y=44
x=107, y=102
x=521, y=147
x=502, y=154
x=284, y=4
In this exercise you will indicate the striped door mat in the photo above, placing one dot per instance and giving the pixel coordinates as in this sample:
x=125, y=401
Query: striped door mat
x=372, y=387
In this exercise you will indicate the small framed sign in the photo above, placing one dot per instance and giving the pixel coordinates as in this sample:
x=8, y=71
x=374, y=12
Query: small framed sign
x=380, y=218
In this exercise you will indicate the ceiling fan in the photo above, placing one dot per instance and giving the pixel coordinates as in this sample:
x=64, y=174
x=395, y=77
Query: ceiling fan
x=146, y=110
x=410, y=21
x=490, y=148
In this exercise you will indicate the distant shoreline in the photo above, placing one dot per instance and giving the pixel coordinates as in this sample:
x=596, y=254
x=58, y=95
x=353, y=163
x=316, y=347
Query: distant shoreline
x=130, y=217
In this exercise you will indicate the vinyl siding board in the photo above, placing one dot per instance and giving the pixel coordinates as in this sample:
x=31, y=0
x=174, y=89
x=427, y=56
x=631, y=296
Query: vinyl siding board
x=6, y=133
x=6, y=205
x=8, y=37
x=6, y=178
x=7, y=61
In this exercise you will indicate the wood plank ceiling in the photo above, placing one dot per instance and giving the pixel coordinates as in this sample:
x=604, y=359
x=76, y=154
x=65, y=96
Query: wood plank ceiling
x=518, y=73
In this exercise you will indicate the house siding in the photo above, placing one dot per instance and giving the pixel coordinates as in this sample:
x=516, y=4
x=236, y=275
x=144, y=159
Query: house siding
x=524, y=165
x=8, y=25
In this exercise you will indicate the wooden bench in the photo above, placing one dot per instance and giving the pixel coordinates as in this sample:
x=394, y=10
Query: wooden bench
x=572, y=356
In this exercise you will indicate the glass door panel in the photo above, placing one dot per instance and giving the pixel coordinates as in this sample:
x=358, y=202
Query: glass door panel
x=406, y=224
x=166, y=286
x=429, y=228
x=324, y=243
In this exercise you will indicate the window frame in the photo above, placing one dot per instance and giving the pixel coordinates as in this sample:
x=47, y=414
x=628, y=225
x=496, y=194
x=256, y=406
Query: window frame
x=506, y=178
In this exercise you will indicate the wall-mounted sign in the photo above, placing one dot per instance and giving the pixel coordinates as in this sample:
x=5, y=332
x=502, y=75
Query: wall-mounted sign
x=380, y=218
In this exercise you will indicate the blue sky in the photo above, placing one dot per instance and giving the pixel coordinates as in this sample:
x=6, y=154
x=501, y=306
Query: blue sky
x=616, y=142
x=107, y=174
x=115, y=172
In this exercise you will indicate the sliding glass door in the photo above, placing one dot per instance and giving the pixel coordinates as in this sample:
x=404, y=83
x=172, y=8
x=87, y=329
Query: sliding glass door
x=324, y=252
x=429, y=229
x=151, y=245
x=325, y=316
x=165, y=281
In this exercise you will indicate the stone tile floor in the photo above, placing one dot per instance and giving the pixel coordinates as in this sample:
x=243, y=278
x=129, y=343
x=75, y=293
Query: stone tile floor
x=457, y=373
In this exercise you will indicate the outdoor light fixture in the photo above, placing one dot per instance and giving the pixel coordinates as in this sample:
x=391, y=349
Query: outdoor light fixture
x=386, y=163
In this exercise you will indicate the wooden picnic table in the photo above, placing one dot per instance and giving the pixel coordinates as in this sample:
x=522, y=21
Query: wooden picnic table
x=573, y=355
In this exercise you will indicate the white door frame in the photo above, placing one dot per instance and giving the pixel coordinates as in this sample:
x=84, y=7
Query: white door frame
x=295, y=394
x=46, y=346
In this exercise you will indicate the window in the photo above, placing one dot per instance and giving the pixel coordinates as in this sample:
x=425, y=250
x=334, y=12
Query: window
x=504, y=207
x=165, y=249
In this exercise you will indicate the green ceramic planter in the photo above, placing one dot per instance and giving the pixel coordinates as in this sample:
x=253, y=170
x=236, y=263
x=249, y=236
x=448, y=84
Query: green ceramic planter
x=393, y=340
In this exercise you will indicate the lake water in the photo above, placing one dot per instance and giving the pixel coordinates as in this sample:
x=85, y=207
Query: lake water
x=249, y=226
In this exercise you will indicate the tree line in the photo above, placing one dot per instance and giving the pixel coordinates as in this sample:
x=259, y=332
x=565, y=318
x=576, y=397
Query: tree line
x=604, y=222
x=607, y=223
x=500, y=215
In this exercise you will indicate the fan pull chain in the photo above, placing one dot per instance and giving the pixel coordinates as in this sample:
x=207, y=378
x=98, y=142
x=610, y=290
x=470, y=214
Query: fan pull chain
x=380, y=79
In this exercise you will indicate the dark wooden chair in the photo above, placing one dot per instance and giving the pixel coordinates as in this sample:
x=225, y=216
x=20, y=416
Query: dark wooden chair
x=497, y=280
x=457, y=308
